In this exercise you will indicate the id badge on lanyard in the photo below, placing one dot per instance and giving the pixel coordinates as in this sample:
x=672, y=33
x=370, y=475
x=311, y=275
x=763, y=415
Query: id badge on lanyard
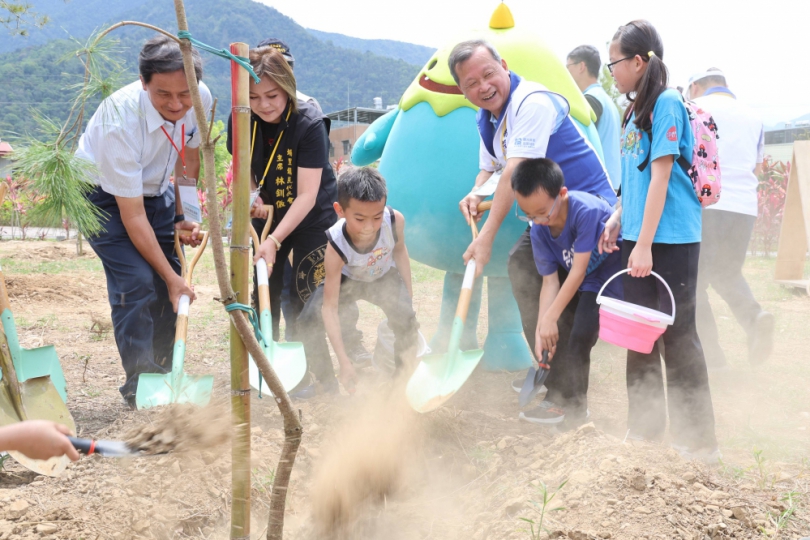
x=187, y=187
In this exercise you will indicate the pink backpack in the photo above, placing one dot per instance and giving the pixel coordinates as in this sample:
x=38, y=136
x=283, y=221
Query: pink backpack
x=704, y=170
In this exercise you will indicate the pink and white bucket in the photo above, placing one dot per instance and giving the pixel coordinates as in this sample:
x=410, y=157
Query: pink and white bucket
x=631, y=326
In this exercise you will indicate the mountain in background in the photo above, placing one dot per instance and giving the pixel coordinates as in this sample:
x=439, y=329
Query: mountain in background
x=32, y=77
x=796, y=122
x=409, y=52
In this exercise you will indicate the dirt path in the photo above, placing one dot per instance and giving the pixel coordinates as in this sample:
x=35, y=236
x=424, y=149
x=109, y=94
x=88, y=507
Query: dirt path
x=467, y=471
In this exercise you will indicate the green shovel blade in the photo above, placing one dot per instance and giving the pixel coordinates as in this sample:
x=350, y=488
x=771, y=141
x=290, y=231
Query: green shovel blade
x=41, y=401
x=33, y=363
x=288, y=361
x=438, y=377
x=155, y=389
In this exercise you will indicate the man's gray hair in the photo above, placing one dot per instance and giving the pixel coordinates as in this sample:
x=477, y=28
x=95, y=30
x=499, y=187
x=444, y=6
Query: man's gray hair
x=364, y=184
x=464, y=50
x=162, y=54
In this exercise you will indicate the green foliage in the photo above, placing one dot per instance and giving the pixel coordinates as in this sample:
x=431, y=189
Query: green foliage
x=61, y=180
x=546, y=498
x=337, y=77
x=16, y=17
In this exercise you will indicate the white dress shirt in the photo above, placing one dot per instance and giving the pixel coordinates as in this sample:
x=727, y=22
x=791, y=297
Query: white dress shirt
x=132, y=154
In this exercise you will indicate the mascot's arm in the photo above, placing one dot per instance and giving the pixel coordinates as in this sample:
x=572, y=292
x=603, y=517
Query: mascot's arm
x=369, y=147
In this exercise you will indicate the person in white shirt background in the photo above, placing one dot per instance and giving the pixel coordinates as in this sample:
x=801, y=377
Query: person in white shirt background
x=728, y=224
x=134, y=140
x=583, y=63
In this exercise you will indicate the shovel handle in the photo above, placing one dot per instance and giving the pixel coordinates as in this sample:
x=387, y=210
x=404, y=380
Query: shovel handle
x=186, y=269
x=268, y=222
x=482, y=207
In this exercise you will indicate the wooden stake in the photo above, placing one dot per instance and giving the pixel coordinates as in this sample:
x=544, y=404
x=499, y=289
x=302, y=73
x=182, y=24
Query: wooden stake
x=795, y=229
x=240, y=268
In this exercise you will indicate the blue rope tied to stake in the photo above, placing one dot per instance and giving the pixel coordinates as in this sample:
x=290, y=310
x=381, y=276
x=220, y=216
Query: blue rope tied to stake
x=254, y=320
x=223, y=53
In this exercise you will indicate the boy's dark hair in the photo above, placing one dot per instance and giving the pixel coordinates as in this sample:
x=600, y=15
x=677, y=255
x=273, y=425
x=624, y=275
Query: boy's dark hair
x=364, y=184
x=539, y=173
x=640, y=38
x=162, y=54
x=588, y=54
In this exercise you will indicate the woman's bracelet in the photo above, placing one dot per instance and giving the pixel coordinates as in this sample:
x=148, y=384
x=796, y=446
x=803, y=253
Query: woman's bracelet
x=275, y=241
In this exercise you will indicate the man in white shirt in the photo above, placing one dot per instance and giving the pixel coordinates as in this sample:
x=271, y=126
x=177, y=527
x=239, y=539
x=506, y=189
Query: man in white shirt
x=583, y=64
x=519, y=120
x=727, y=225
x=134, y=140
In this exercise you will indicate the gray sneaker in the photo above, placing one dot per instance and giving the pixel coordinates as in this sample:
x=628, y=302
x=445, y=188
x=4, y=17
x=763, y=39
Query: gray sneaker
x=545, y=413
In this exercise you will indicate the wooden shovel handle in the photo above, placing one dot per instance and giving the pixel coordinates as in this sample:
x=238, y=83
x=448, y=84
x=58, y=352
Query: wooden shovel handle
x=267, y=223
x=186, y=269
x=482, y=207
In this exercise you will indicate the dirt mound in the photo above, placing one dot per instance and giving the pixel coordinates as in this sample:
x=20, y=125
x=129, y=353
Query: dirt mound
x=182, y=427
x=45, y=251
x=52, y=288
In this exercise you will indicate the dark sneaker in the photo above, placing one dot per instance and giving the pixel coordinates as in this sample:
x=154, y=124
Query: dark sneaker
x=545, y=413
x=359, y=356
x=129, y=401
x=305, y=393
x=761, y=344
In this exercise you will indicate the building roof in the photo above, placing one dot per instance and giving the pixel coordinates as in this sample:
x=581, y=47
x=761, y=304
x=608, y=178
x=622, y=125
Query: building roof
x=5, y=148
x=355, y=115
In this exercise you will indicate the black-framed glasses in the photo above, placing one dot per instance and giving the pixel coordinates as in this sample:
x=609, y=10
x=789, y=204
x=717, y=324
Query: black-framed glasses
x=610, y=65
x=537, y=219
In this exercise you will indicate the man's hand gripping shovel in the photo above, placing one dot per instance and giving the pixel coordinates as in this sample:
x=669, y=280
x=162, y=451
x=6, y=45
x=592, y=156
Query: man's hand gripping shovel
x=439, y=376
x=156, y=389
x=287, y=359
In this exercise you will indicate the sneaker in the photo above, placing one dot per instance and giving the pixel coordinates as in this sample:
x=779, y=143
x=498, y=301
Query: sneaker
x=545, y=413
x=359, y=356
x=517, y=384
x=129, y=401
x=709, y=456
x=761, y=344
x=305, y=393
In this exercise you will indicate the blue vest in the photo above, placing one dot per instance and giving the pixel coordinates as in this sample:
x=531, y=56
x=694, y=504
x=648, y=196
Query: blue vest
x=567, y=146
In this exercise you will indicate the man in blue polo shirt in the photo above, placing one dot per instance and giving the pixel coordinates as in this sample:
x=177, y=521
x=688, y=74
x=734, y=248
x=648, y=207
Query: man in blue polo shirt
x=583, y=64
x=519, y=120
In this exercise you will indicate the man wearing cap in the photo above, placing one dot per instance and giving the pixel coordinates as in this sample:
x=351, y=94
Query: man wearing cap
x=583, y=64
x=136, y=139
x=727, y=225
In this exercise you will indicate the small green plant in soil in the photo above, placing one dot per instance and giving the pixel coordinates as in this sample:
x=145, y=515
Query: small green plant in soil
x=782, y=521
x=542, y=506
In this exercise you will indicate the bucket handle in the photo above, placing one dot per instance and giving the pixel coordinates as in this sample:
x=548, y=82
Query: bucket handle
x=620, y=272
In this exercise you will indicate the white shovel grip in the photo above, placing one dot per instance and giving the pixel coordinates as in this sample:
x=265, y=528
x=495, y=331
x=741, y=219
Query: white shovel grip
x=182, y=305
x=261, y=272
x=469, y=275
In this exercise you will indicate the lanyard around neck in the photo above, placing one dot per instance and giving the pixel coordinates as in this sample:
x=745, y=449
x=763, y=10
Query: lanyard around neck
x=182, y=150
x=273, y=153
x=503, y=137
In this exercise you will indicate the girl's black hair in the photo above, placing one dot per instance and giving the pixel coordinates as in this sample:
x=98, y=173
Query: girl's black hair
x=641, y=38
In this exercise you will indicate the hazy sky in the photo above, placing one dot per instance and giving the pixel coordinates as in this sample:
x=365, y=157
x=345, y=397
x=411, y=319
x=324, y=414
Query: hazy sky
x=763, y=47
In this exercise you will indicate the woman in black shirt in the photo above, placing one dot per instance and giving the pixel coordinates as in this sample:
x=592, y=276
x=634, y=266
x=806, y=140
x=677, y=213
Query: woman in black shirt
x=291, y=171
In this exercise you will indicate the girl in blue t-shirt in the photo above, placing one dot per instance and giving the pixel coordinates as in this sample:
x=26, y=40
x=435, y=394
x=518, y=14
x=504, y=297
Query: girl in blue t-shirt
x=661, y=226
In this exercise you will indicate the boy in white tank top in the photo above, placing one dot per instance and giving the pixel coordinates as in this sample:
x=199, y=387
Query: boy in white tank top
x=366, y=259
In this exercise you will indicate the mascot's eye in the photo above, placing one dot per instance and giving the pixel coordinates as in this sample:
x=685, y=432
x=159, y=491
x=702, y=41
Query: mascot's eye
x=432, y=64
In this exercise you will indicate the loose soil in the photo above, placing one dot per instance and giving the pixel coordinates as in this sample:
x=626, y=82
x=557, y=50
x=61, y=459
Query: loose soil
x=370, y=468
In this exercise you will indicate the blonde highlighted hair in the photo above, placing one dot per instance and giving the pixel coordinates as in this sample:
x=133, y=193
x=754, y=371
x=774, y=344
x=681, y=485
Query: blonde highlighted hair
x=268, y=62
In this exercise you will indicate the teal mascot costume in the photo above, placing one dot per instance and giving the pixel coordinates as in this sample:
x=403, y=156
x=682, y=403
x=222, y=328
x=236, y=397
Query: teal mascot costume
x=428, y=152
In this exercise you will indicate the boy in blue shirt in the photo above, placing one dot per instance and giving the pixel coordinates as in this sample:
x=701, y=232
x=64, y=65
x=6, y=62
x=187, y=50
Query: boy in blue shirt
x=565, y=233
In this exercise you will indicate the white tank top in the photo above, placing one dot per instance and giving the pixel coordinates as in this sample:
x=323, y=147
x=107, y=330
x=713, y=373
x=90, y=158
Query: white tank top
x=373, y=263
